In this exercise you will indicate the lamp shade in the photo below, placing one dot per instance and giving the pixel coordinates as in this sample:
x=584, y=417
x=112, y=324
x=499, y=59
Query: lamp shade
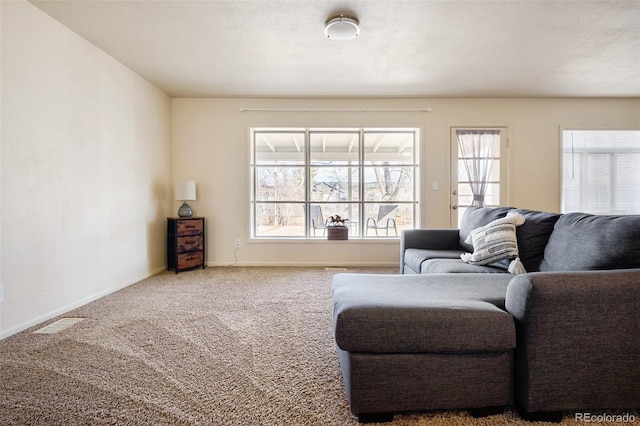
x=185, y=190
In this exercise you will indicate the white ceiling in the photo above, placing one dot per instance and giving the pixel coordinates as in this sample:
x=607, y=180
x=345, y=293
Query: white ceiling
x=426, y=48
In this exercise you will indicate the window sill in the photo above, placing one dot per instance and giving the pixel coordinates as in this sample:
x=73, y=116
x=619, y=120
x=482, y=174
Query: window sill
x=293, y=240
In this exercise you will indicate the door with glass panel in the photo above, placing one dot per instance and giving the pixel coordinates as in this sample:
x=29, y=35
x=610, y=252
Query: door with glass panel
x=478, y=169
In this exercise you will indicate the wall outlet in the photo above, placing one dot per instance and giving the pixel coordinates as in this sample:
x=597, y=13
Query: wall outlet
x=237, y=245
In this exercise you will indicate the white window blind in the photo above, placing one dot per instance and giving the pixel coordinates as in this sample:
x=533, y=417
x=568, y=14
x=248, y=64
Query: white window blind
x=601, y=171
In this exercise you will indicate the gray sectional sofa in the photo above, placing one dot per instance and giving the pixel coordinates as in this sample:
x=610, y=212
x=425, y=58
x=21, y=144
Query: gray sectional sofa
x=564, y=335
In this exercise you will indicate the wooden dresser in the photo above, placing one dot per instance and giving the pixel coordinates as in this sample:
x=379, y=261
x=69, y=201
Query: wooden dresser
x=185, y=243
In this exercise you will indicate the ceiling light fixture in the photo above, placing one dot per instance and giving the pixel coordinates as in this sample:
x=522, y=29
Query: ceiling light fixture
x=342, y=27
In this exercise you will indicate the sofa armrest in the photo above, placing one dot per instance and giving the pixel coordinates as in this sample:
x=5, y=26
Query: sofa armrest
x=428, y=239
x=578, y=339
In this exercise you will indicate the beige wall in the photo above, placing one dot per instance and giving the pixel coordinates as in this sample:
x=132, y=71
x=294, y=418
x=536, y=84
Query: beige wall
x=89, y=152
x=211, y=145
x=86, y=170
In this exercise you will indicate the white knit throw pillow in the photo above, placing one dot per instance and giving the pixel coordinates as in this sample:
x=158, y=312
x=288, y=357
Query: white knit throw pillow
x=496, y=241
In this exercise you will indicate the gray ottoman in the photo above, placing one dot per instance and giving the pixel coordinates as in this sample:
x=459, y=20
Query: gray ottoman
x=423, y=342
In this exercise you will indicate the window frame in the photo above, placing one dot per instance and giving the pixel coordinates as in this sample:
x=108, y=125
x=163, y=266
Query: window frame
x=361, y=166
x=611, y=152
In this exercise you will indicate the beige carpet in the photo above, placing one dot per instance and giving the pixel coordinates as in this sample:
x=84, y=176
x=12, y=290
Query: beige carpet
x=221, y=346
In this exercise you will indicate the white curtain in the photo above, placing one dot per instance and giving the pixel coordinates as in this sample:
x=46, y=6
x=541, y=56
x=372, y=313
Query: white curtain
x=476, y=148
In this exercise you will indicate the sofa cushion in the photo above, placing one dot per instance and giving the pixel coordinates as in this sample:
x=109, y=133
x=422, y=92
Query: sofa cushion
x=448, y=266
x=494, y=241
x=413, y=258
x=533, y=236
x=582, y=242
x=436, y=313
x=475, y=217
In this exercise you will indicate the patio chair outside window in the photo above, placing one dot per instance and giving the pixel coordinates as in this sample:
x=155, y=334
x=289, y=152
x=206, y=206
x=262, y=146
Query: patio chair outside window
x=317, y=220
x=386, y=219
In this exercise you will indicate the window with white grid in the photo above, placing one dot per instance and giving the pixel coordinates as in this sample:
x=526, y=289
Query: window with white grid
x=301, y=177
x=601, y=171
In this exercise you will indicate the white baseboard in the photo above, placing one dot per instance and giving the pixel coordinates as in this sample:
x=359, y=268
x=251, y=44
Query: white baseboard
x=75, y=305
x=89, y=299
x=310, y=264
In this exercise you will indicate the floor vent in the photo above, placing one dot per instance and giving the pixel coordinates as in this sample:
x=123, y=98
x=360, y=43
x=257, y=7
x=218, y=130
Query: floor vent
x=58, y=326
x=335, y=269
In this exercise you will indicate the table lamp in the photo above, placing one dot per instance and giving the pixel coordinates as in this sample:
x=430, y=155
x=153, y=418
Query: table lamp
x=184, y=191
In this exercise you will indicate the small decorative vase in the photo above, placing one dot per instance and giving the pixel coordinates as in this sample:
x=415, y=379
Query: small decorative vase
x=337, y=233
x=185, y=210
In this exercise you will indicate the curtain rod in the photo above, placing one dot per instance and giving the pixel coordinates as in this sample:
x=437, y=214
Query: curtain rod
x=335, y=109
